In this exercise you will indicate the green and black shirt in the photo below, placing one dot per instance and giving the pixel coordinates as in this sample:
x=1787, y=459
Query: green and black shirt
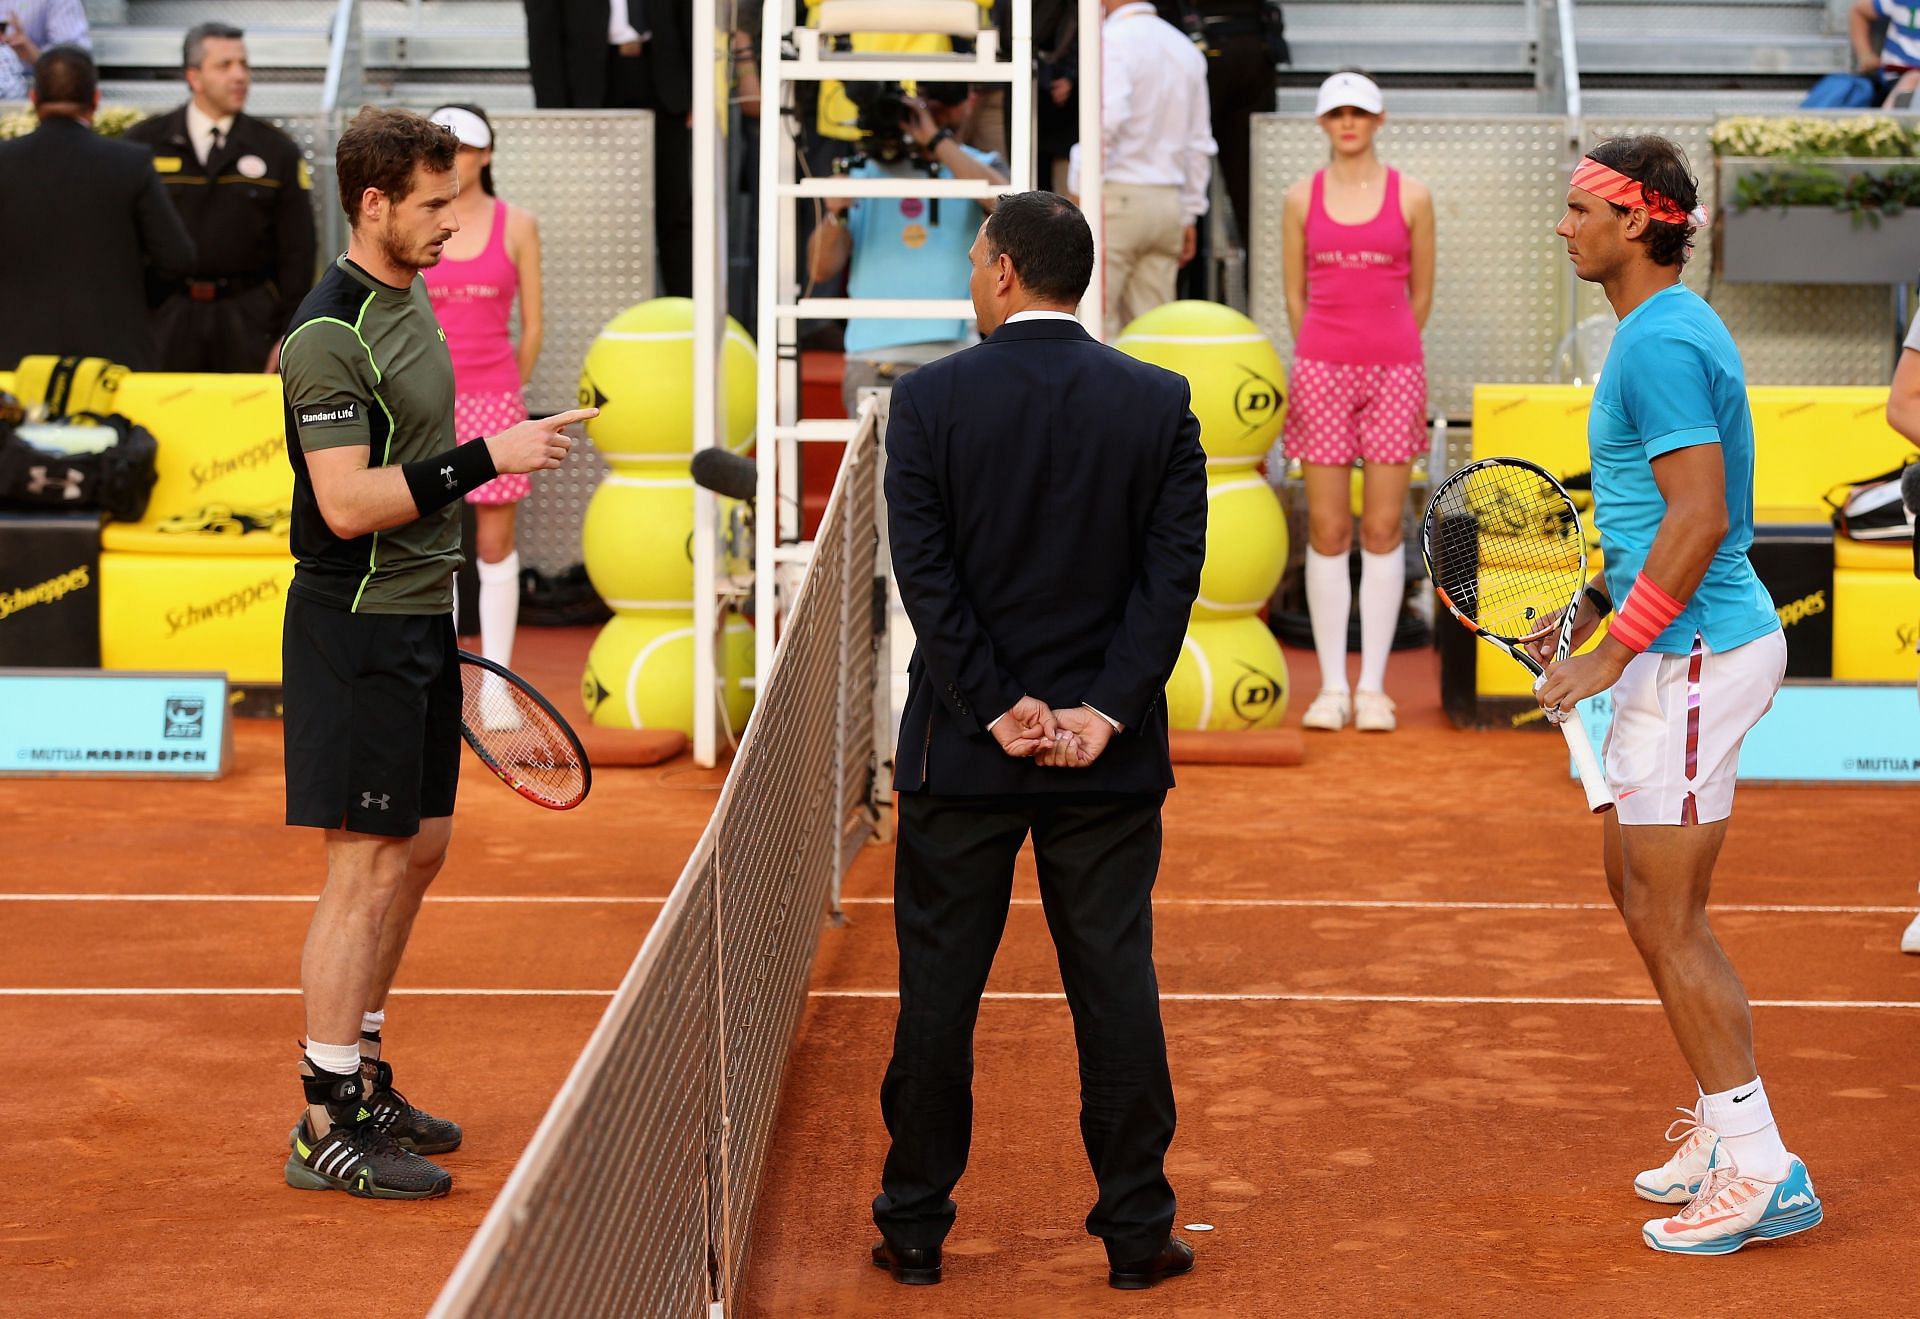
x=366, y=363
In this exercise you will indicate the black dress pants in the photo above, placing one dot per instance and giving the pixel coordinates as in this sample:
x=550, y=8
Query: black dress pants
x=630, y=86
x=230, y=334
x=1098, y=856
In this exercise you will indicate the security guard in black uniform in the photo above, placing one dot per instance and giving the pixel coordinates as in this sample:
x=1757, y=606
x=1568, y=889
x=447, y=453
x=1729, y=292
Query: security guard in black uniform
x=243, y=190
x=1244, y=42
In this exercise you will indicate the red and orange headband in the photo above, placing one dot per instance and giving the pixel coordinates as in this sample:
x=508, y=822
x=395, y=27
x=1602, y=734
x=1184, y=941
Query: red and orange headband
x=1610, y=185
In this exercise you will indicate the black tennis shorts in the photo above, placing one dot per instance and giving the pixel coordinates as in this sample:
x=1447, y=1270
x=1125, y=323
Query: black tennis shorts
x=372, y=718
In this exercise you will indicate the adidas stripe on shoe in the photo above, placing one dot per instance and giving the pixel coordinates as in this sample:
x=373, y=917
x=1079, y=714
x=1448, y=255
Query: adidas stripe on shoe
x=361, y=1160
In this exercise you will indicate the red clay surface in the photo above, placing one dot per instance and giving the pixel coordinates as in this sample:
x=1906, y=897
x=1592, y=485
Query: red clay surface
x=1369, y=1157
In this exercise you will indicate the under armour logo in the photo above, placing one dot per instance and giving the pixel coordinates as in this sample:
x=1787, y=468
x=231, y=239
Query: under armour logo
x=70, y=483
x=448, y=473
x=368, y=801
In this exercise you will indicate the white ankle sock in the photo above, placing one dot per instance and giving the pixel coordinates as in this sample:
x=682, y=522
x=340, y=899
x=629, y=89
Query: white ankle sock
x=1329, y=602
x=1743, y=1120
x=340, y=1059
x=499, y=607
x=1383, y=588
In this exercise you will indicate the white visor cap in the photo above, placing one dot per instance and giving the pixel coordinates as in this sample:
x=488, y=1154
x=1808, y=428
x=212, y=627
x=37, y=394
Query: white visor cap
x=469, y=127
x=1354, y=89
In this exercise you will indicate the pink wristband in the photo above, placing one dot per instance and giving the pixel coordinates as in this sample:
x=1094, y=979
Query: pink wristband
x=1648, y=612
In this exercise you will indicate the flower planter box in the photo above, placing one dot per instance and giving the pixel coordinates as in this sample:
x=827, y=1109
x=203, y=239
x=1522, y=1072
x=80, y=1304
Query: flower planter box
x=1812, y=244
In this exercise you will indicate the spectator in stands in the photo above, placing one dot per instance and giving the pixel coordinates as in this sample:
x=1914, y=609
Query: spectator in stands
x=1056, y=44
x=628, y=55
x=1158, y=148
x=1898, y=62
x=1358, y=257
x=245, y=194
x=83, y=225
x=912, y=247
x=28, y=27
x=1903, y=414
x=493, y=255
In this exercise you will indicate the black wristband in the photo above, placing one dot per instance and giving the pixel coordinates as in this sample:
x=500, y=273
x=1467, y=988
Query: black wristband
x=438, y=481
x=944, y=135
x=1600, y=601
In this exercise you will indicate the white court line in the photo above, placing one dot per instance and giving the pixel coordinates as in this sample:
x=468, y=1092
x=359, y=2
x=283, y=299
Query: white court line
x=540, y=900
x=999, y=996
x=1439, y=1000
x=1361, y=904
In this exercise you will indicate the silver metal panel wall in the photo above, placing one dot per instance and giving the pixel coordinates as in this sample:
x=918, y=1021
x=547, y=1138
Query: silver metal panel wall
x=1495, y=185
x=588, y=175
x=1500, y=288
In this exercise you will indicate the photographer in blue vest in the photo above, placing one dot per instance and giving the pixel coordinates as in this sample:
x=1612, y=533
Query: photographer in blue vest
x=903, y=247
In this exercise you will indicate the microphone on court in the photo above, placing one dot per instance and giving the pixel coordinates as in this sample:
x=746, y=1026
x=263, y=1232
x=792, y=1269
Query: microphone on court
x=1910, y=487
x=725, y=473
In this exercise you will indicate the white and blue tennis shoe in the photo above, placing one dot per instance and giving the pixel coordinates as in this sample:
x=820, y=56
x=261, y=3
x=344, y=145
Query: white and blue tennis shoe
x=1732, y=1209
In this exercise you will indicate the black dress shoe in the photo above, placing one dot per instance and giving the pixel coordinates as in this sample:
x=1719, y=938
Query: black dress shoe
x=919, y=1268
x=1174, y=1259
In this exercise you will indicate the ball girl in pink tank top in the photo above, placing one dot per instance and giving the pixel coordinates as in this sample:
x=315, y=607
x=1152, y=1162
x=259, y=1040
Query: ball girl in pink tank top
x=494, y=257
x=1359, y=277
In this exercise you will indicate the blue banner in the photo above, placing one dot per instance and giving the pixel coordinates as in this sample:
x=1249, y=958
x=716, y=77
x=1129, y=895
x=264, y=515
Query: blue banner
x=90, y=721
x=1817, y=732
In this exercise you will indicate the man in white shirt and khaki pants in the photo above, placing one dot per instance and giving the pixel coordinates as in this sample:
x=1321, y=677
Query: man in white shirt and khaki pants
x=1157, y=144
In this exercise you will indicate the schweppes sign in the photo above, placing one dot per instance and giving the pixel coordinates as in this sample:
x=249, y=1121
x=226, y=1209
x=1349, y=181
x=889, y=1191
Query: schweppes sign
x=230, y=605
x=45, y=593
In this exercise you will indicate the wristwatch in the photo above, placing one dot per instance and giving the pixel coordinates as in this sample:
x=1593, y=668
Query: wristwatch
x=933, y=143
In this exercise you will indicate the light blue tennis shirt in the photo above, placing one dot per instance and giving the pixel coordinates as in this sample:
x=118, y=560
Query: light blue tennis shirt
x=908, y=247
x=1673, y=379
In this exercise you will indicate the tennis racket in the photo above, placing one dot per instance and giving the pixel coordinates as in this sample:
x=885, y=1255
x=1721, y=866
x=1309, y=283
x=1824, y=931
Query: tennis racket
x=1504, y=547
x=518, y=735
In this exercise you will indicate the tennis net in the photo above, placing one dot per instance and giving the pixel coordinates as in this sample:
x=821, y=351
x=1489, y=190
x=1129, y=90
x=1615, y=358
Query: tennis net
x=636, y=1194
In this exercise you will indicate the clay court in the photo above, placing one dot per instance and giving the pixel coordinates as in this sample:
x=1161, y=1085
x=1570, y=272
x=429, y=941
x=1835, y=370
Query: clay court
x=1413, y=1076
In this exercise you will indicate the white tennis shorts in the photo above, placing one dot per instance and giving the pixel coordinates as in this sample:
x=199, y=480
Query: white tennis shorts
x=1678, y=721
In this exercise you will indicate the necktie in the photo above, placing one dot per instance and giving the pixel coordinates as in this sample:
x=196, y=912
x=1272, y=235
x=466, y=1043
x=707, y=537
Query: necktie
x=213, y=145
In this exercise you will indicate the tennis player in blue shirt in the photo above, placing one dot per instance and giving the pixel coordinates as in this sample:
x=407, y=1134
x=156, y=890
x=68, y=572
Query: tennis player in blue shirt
x=1694, y=656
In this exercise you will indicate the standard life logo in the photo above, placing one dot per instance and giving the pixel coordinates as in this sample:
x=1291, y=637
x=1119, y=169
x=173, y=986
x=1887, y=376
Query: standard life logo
x=45, y=593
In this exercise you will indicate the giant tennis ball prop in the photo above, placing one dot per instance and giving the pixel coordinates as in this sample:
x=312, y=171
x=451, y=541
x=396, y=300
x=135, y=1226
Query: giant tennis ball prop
x=1239, y=386
x=1246, y=545
x=640, y=673
x=639, y=373
x=637, y=541
x=1231, y=675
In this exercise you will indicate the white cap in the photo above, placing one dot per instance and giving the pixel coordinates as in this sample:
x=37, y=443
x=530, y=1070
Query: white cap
x=469, y=127
x=1354, y=89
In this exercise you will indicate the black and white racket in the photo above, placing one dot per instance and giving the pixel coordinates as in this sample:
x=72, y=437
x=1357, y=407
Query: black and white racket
x=518, y=735
x=1507, y=555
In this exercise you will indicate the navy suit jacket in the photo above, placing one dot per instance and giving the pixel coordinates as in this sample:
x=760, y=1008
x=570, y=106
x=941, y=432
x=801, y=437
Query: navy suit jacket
x=1047, y=505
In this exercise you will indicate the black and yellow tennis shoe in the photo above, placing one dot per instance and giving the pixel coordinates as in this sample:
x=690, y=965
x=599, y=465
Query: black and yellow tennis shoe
x=411, y=1128
x=362, y=1160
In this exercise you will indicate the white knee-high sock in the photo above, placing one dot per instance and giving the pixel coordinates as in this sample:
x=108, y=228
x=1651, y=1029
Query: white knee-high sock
x=1383, y=588
x=1743, y=1120
x=499, y=607
x=1330, y=603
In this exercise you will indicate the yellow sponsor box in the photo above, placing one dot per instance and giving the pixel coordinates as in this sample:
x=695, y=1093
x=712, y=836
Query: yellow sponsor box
x=1876, y=625
x=222, y=468
x=189, y=611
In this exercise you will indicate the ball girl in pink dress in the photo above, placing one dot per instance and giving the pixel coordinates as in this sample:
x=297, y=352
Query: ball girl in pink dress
x=1359, y=275
x=494, y=255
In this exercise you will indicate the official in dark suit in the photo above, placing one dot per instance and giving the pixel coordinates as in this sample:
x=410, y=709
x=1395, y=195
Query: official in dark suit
x=244, y=192
x=83, y=222
x=588, y=55
x=1047, y=502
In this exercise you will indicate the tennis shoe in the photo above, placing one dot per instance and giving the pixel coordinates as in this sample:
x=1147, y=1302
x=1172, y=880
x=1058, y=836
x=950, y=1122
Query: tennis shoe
x=1678, y=1179
x=1373, y=712
x=1329, y=712
x=412, y=1129
x=1910, y=941
x=498, y=712
x=1733, y=1209
x=361, y=1160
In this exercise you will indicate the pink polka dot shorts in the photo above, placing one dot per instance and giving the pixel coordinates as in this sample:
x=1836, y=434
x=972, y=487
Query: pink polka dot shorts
x=1340, y=411
x=477, y=415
